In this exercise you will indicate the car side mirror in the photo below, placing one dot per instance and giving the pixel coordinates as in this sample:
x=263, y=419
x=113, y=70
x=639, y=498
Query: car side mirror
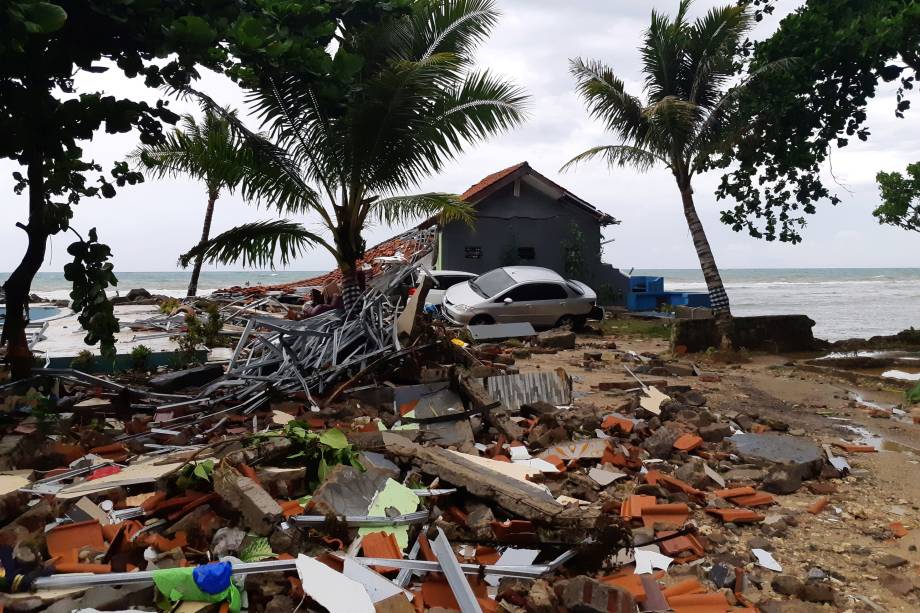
x=507, y=300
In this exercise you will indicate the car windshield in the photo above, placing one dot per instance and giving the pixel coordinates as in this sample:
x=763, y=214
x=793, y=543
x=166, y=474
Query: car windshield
x=492, y=283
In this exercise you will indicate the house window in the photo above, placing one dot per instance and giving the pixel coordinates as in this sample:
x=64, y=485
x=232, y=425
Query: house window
x=527, y=253
x=473, y=253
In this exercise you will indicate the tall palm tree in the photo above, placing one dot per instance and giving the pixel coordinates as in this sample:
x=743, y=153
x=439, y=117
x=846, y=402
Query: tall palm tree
x=687, y=117
x=207, y=151
x=349, y=154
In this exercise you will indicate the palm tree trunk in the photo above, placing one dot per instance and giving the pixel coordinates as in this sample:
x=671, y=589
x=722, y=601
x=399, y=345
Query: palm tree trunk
x=205, y=233
x=721, y=310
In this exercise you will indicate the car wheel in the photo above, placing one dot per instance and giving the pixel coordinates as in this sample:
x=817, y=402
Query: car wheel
x=482, y=320
x=572, y=322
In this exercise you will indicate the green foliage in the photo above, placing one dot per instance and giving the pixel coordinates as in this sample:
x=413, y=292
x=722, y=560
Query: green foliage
x=169, y=305
x=197, y=333
x=842, y=50
x=196, y=476
x=412, y=104
x=319, y=452
x=84, y=360
x=913, y=395
x=91, y=273
x=45, y=118
x=644, y=328
x=900, y=198
x=256, y=549
x=140, y=356
x=573, y=252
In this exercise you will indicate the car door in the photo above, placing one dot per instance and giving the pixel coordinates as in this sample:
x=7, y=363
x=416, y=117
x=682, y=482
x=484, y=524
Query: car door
x=537, y=303
x=513, y=305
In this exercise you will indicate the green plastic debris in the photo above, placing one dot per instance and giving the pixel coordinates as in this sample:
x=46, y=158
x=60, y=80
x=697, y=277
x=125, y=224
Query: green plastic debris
x=178, y=584
x=393, y=494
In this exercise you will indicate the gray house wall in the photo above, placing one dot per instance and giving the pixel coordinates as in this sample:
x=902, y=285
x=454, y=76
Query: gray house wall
x=505, y=222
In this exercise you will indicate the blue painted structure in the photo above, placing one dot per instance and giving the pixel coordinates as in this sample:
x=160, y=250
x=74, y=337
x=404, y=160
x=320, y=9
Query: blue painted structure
x=647, y=294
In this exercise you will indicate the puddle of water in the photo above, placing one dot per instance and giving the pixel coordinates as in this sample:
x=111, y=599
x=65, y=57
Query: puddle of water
x=857, y=397
x=867, y=437
x=901, y=375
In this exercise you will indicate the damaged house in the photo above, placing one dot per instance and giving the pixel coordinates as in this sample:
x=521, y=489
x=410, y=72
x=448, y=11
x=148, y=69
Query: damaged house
x=525, y=219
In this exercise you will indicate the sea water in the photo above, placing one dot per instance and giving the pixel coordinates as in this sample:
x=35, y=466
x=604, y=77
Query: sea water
x=844, y=302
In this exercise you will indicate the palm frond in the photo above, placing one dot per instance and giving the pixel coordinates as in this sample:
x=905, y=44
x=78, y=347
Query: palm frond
x=606, y=97
x=455, y=25
x=406, y=209
x=618, y=156
x=709, y=56
x=257, y=244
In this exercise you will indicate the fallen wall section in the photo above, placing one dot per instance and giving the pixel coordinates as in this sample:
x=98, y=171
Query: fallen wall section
x=777, y=333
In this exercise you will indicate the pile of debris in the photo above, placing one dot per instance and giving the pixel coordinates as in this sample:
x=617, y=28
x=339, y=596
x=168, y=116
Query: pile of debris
x=374, y=461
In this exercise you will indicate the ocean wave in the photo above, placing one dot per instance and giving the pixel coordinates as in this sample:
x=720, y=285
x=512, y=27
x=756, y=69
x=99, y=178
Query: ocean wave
x=697, y=285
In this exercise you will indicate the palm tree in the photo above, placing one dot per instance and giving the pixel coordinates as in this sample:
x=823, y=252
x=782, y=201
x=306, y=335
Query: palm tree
x=208, y=151
x=348, y=154
x=686, y=118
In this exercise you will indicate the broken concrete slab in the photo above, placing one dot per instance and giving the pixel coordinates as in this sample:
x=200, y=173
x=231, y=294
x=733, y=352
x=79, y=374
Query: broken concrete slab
x=556, y=339
x=259, y=510
x=798, y=456
x=348, y=491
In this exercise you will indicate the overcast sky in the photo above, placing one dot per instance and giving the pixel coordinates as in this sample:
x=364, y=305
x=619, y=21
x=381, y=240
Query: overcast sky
x=147, y=226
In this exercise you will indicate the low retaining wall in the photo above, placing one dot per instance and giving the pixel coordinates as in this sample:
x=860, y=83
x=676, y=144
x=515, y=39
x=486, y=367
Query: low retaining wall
x=776, y=333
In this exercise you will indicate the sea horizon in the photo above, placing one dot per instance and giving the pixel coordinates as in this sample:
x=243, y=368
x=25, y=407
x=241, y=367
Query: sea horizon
x=844, y=302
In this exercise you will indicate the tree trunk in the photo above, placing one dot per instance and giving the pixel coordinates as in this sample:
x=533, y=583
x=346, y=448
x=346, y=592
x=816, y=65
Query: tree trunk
x=721, y=310
x=205, y=233
x=17, y=287
x=351, y=292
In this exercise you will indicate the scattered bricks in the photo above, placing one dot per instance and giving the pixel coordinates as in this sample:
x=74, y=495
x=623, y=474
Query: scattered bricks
x=787, y=585
x=898, y=529
x=693, y=472
x=587, y=595
x=259, y=510
x=674, y=514
x=757, y=499
x=818, y=505
x=687, y=442
x=661, y=443
x=684, y=548
x=736, y=516
x=822, y=488
x=381, y=545
x=734, y=492
x=709, y=378
x=656, y=477
x=632, y=507
x=713, y=433
x=615, y=422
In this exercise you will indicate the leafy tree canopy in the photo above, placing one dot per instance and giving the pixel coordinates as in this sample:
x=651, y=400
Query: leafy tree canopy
x=842, y=51
x=44, y=118
x=900, y=198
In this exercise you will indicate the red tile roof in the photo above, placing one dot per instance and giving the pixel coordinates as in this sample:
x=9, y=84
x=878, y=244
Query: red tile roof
x=404, y=243
x=489, y=181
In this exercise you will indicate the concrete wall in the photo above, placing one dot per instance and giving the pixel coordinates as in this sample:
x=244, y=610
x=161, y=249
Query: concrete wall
x=776, y=333
x=531, y=220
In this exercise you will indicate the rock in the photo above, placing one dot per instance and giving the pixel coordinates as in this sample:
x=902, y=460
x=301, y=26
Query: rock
x=539, y=408
x=891, y=561
x=137, y=294
x=897, y=584
x=816, y=574
x=818, y=591
x=782, y=481
x=789, y=606
x=822, y=488
x=693, y=398
x=745, y=421
x=348, y=491
x=557, y=339
x=722, y=575
x=479, y=520
x=800, y=457
x=661, y=443
x=227, y=542
x=190, y=377
x=787, y=585
x=759, y=542
x=744, y=475
x=259, y=510
x=541, y=598
x=585, y=595
x=693, y=472
x=714, y=433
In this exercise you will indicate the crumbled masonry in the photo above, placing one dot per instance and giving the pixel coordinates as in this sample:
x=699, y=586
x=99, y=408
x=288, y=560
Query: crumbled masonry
x=383, y=462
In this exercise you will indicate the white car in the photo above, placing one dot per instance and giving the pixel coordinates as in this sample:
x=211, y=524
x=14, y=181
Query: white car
x=511, y=294
x=444, y=280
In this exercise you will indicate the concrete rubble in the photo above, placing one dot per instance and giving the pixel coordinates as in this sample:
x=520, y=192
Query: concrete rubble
x=422, y=471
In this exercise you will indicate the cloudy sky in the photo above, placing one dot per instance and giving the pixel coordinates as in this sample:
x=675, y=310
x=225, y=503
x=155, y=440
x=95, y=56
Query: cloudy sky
x=149, y=225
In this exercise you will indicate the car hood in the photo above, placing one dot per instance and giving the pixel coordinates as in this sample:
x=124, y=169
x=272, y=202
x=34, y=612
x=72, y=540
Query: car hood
x=462, y=293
